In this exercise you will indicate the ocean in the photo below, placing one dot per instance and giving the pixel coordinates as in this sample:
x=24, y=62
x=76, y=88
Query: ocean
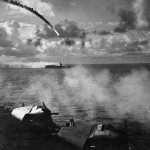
x=87, y=93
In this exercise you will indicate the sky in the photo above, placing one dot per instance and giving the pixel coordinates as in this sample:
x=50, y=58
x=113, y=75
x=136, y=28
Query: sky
x=78, y=10
x=25, y=40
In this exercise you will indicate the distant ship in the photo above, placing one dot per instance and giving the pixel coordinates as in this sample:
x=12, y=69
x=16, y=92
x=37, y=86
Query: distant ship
x=58, y=66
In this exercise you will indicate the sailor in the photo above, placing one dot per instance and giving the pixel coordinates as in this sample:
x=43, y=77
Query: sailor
x=22, y=104
x=103, y=127
x=72, y=123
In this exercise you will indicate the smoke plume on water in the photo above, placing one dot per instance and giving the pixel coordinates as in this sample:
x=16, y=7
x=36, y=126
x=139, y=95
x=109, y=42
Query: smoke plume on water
x=132, y=94
x=49, y=90
x=80, y=88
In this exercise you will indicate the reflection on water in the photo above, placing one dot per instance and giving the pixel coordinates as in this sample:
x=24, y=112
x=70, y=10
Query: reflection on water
x=90, y=94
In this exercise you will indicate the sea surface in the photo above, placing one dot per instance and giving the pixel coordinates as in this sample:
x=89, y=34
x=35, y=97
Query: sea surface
x=87, y=93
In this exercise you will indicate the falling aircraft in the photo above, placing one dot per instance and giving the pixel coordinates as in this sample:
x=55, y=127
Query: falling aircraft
x=33, y=11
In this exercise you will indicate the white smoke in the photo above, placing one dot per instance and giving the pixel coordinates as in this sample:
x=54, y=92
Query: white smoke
x=133, y=93
x=80, y=87
x=84, y=92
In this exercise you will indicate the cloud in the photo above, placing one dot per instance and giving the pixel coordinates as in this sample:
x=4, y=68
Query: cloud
x=35, y=41
x=91, y=25
x=12, y=44
x=73, y=4
x=65, y=29
x=112, y=23
x=34, y=47
x=30, y=46
x=4, y=41
x=42, y=7
x=27, y=30
x=111, y=44
x=20, y=53
x=12, y=28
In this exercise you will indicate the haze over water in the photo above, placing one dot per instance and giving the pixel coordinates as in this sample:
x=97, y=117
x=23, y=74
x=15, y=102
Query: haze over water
x=88, y=93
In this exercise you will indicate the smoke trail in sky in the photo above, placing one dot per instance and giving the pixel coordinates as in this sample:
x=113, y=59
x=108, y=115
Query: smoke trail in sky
x=33, y=11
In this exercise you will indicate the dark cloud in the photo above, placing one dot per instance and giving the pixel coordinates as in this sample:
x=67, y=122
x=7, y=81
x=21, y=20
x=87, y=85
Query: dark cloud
x=136, y=18
x=68, y=42
x=103, y=32
x=35, y=42
x=127, y=20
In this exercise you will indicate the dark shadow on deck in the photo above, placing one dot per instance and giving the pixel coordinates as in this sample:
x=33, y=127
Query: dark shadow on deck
x=14, y=137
